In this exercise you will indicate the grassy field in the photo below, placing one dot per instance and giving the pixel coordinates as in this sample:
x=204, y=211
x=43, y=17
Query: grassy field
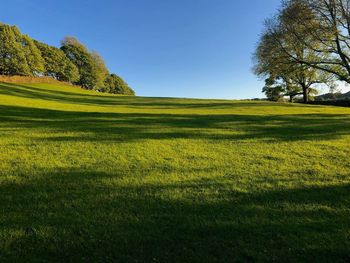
x=87, y=177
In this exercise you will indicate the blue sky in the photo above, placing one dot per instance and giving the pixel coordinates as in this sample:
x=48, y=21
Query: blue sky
x=167, y=48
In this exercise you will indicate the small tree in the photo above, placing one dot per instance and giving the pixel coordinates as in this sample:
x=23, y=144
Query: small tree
x=274, y=91
x=115, y=84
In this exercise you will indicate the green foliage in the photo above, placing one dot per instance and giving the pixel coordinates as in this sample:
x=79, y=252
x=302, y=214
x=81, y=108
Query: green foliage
x=322, y=26
x=34, y=59
x=73, y=62
x=82, y=59
x=279, y=52
x=12, y=54
x=19, y=55
x=92, y=177
x=57, y=65
x=101, y=69
x=274, y=91
x=115, y=84
x=91, y=66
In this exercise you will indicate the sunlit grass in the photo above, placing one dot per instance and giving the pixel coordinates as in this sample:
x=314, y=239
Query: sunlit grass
x=101, y=178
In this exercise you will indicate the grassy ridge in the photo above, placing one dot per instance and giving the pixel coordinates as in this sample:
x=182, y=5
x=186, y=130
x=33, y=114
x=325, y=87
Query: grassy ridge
x=102, y=178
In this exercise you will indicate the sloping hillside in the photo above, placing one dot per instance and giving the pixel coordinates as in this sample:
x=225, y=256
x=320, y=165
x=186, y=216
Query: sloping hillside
x=100, y=178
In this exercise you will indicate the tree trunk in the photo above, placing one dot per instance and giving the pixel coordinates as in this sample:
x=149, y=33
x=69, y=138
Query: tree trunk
x=305, y=94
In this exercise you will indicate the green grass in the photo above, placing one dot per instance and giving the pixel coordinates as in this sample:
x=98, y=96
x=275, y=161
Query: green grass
x=100, y=178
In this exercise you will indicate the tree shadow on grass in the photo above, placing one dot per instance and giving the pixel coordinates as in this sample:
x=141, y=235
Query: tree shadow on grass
x=72, y=215
x=81, y=214
x=106, y=126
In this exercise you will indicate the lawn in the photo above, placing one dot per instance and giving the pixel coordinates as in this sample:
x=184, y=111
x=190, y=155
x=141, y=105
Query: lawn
x=89, y=177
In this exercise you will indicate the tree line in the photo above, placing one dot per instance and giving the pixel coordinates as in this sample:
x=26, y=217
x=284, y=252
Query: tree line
x=307, y=43
x=72, y=62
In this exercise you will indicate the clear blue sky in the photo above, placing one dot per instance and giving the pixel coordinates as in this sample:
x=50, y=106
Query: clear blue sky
x=177, y=48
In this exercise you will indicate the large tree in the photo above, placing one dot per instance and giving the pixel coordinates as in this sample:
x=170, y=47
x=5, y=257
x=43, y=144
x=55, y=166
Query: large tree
x=57, y=65
x=82, y=59
x=278, y=55
x=323, y=26
x=12, y=52
x=91, y=66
